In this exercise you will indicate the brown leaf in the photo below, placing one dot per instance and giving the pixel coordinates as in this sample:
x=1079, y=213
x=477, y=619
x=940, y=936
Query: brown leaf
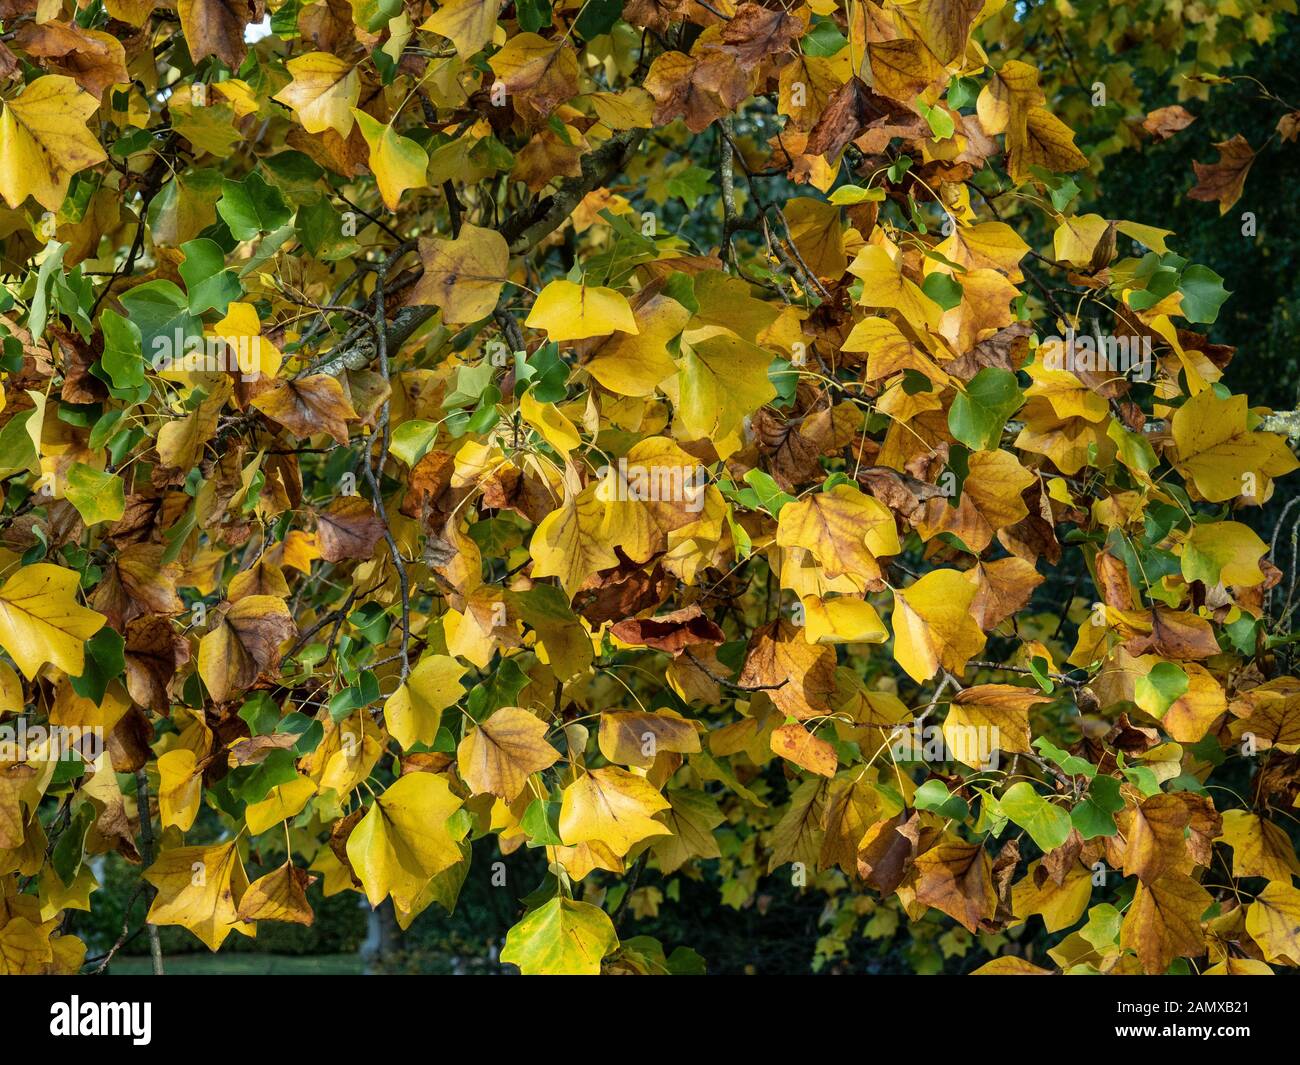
x=138, y=582
x=1224, y=180
x=509, y=488
x=93, y=59
x=1164, y=122
x=309, y=405
x=1153, y=838
x=756, y=33
x=888, y=849
x=845, y=117
x=957, y=878
x=155, y=653
x=216, y=27
x=1164, y=922
x=348, y=528
x=674, y=81
x=128, y=743
x=1002, y=587
x=799, y=676
x=243, y=642
x=1006, y=349
x=670, y=632
x=796, y=744
x=1175, y=634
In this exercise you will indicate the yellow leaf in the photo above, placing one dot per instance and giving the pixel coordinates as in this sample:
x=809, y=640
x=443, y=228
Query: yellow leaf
x=569, y=311
x=41, y=621
x=11, y=690
x=323, y=92
x=200, y=888
x=468, y=24
x=1076, y=238
x=403, y=841
x=281, y=895
x=414, y=710
x=883, y=285
x=844, y=529
x=635, y=737
x=241, y=330
x=1060, y=905
x=988, y=717
x=570, y=543
x=990, y=501
x=555, y=428
x=1043, y=140
x=1008, y=96
x=397, y=162
x=933, y=627
x=722, y=379
x=611, y=806
x=1273, y=921
x=842, y=619
x=462, y=277
x=1223, y=552
x=282, y=802
x=44, y=141
x=633, y=364
x=1259, y=847
x=1220, y=455
x=561, y=938
x=499, y=755
x=180, y=788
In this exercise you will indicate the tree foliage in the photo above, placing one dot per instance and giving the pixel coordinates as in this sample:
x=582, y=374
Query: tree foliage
x=644, y=434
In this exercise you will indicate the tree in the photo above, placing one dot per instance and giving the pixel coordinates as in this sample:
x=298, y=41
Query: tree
x=639, y=434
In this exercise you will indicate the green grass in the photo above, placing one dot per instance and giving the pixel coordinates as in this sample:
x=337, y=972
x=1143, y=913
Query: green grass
x=244, y=965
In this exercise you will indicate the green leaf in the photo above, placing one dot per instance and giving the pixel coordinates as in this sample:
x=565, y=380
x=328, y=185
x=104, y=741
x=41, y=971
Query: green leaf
x=533, y=15
x=691, y=184
x=123, y=358
x=597, y=17
x=210, y=285
x=161, y=312
x=1203, y=294
x=541, y=821
x=1047, y=824
x=939, y=121
x=98, y=496
x=932, y=795
x=104, y=662
x=1070, y=763
x=412, y=439
x=319, y=226
x=562, y=938
x=944, y=289
x=979, y=414
x=1095, y=815
x=251, y=206
x=1164, y=685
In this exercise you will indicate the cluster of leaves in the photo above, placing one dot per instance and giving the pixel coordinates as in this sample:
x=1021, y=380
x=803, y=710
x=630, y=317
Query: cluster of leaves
x=383, y=472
